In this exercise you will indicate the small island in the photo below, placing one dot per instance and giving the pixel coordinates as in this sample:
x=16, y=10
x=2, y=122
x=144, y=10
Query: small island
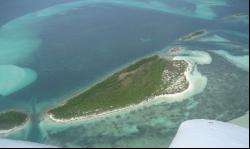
x=11, y=120
x=193, y=35
x=241, y=14
x=135, y=84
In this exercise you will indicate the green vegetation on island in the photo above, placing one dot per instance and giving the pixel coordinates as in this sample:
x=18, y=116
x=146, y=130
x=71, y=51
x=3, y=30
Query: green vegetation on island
x=12, y=119
x=144, y=79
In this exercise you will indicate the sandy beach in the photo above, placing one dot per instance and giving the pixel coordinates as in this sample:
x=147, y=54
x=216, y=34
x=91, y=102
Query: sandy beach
x=116, y=111
x=12, y=130
x=6, y=132
x=9, y=131
x=197, y=84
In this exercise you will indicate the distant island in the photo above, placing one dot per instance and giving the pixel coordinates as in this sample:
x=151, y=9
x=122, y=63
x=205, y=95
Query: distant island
x=11, y=120
x=193, y=35
x=138, y=82
x=240, y=14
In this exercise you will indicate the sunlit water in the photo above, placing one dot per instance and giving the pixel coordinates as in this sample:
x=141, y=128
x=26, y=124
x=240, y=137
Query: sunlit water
x=72, y=46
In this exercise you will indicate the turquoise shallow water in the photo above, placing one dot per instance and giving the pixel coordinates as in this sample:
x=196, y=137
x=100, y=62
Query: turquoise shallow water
x=70, y=49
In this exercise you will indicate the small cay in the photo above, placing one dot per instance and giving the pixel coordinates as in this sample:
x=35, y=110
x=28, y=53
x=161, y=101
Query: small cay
x=194, y=35
x=138, y=82
x=11, y=120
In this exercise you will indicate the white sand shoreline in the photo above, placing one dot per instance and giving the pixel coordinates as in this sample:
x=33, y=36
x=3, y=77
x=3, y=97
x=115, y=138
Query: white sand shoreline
x=16, y=128
x=147, y=102
x=197, y=84
x=6, y=132
x=12, y=130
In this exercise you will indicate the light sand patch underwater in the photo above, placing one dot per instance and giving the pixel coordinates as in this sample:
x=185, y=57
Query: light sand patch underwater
x=16, y=43
x=14, y=78
x=196, y=57
x=213, y=38
x=239, y=61
x=19, y=37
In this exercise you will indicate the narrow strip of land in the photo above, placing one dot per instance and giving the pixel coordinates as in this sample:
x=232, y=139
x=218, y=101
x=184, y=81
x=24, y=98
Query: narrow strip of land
x=194, y=35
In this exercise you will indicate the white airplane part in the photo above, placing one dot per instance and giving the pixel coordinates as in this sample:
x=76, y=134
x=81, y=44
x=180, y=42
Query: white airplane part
x=5, y=143
x=210, y=134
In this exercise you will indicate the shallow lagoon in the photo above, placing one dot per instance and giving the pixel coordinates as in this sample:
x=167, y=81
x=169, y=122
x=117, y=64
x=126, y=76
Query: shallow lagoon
x=80, y=47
